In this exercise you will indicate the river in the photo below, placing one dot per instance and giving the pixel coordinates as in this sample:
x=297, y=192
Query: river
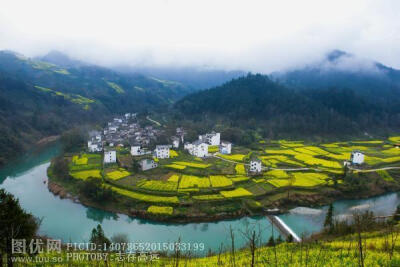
x=72, y=222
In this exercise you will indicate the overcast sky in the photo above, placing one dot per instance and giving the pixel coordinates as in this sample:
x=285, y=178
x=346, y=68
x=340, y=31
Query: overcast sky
x=260, y=36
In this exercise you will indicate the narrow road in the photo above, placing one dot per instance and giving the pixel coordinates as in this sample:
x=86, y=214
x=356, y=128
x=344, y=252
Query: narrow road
x=374, y=170
x=153, y=121
x=305, y=169
x=266, y=168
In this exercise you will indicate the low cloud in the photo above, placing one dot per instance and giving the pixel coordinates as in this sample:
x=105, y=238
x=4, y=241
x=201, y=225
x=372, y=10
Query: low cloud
x=256, y=35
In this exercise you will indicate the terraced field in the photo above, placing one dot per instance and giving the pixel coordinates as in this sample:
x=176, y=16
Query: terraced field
x=197, y=184
x=85, y=166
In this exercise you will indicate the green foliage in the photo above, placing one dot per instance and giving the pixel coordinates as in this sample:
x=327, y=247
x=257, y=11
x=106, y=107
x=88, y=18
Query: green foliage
x=67, y=98
x=277, y=110
x=99, y=238
x=60, y=167
x=72, y=140
x=15, y=223
x=116, y=87
x=328, y=223
x=93, y=189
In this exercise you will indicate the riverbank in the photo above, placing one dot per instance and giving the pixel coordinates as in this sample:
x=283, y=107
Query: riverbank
x=73, y=222
x=57, y=189
x=124, y=205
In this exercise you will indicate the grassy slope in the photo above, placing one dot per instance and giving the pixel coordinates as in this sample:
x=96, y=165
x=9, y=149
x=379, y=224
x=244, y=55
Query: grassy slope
x=342, y=251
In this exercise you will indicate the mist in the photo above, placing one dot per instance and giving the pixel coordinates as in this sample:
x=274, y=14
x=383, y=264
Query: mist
x=258, y=36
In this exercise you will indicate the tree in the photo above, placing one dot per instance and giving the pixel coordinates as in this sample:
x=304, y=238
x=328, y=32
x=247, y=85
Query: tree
x=99, y=238
x=289, y=239
x=92, y=188
x=328, y=224
x=60, y=167
x=271, y=242
x=72, y=140
x=15, y=223
x=121, y=241
x=396, y=215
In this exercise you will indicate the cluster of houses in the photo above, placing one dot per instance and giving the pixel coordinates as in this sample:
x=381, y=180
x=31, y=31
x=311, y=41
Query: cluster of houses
x=199, y=148
x=126, y=130
x=121, y=129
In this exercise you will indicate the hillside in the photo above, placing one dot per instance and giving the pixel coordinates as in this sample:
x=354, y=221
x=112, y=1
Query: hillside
x=272, y=109
x=195, y=77
x=378, y=248
x=339, y=69
x=39, y=99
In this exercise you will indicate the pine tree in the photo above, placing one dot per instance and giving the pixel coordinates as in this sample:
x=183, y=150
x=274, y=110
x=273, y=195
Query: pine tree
x=328, y=224
x=271, y=242
x=396, y=215
x=98, y=237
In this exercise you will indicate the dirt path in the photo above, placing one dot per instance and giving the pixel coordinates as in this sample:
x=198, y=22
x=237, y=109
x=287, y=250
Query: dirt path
x=305, y=169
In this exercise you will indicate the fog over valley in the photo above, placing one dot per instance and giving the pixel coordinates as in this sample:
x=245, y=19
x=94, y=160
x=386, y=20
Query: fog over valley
x=256, y=36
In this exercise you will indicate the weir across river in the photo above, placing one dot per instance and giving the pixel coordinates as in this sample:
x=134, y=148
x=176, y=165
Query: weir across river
x=283, y=228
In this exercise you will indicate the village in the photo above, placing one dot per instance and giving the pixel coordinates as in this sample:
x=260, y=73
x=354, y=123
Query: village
x=125, y=131
x=209, y=178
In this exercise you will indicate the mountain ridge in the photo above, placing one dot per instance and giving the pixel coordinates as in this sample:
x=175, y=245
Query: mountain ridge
x=39, y=99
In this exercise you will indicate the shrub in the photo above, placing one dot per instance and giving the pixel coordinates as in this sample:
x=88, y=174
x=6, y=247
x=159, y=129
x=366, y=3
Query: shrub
x=160, y=210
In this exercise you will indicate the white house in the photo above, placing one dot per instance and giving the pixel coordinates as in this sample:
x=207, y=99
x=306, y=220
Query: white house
x=95, y=146
x=147, y=164
x=110, y=156
x=198, y=149
x=136, y=150
x=162, y=152
x=255, y=166
x=112, y=129
x=225, y=147
x=175, y=142
x=187, y=146
x=357, y=157
x=213, y=139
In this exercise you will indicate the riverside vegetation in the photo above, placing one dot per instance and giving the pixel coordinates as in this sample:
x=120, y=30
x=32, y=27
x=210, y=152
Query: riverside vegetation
x=185, y=188
x=364, y=241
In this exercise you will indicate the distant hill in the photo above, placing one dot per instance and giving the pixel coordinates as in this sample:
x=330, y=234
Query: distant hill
x=343, y=70
x=61, y=59
x=256, y=102
x=196, y=78
x=39, y=98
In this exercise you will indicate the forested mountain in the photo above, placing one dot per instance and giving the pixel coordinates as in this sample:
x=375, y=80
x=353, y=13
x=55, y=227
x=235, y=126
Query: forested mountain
x=196, y=78
x=39, y=99
x=255, y=102
x=339, y=69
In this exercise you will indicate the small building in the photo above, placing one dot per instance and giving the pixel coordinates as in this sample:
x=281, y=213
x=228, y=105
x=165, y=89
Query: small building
x=213, y=138
x=162, y=152
x=110, y=156
x=255, y=166
x=198, y=149
x=147, y=164
x=94, y=146
x=136, y=150
x=187, y=146
x=225, y=147
x=112, y=129
x=175, y=142
x=357, y=157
